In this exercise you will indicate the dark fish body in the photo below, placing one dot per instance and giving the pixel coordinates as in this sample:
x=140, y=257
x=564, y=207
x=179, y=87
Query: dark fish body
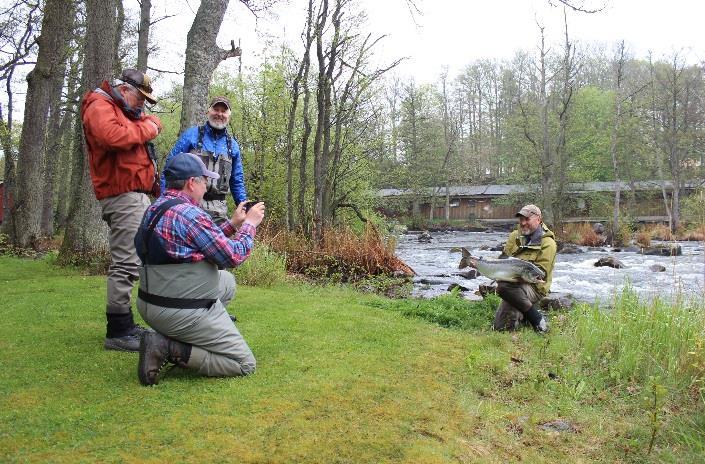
x=506, y=270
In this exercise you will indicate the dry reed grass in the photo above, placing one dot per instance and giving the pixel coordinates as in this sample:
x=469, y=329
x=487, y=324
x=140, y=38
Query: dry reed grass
x=659, y=232
x=342, y=255
x=697, y=234
x=643, y=238
x=582, y=233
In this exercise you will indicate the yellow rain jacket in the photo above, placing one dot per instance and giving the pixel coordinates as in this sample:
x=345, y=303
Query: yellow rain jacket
x=541, y=254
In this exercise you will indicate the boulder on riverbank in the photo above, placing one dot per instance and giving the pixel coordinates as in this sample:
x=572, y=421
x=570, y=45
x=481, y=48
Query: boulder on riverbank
x=570, y=249
x=668, y=249
x=425, y=237
x=610, y=261
x=498, y=247
x=460, y=288
x=469, y=274
x=557, y=302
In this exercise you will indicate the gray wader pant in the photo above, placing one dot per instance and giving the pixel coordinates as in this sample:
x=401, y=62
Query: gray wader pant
x=218, y=349
x=517, y=298
x=123, y=213
x=218, y=210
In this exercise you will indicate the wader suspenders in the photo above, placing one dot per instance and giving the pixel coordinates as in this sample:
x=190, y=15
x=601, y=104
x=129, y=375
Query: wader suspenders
x=202, y=133
x=213, y=194
x=158, y=300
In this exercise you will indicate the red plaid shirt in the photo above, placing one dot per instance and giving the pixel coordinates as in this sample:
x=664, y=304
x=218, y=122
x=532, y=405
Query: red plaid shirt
x=188, y=234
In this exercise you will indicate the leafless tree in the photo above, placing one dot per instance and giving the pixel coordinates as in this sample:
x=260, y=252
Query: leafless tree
x=301, y=75
x=19, y=28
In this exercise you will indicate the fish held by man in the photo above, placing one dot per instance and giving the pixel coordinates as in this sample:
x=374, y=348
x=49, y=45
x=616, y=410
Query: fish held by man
x=507, y=270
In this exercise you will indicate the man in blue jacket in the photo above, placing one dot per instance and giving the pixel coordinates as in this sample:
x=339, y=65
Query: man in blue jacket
x=220, y=152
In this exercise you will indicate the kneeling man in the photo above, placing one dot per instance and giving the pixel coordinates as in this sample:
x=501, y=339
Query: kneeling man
x=182, y=294
x=532, y=241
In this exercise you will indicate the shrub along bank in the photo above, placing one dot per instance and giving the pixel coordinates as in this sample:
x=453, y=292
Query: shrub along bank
x=347, y=377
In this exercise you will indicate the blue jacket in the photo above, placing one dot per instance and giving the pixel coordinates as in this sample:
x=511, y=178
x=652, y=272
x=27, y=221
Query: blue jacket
x=215, y=143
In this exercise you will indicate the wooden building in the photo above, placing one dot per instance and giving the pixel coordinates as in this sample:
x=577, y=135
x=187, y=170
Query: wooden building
x=589, y=201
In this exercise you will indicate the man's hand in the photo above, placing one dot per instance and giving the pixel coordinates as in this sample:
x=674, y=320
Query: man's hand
x=254, y=216
x=256, y=213
x=155, y=123
x=239, y=215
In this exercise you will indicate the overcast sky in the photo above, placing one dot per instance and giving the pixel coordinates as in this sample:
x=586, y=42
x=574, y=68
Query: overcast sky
x=454, y=33
x=450, y=33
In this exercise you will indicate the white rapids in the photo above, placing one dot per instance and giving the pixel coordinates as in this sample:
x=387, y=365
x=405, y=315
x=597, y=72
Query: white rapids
x=576, y=274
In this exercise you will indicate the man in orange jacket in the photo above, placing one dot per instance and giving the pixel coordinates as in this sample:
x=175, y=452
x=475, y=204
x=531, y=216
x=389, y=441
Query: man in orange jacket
x=123, y=171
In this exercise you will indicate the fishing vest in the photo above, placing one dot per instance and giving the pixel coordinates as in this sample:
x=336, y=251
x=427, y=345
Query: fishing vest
x=167, y=282
x=223, y=166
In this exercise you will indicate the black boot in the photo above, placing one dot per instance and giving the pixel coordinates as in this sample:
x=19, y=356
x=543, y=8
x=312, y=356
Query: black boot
x=536, y=319
x=156, y=351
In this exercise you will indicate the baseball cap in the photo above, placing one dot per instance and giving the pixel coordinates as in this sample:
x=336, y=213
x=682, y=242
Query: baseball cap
x=140, y=81
x=183, y=166
x=528, y=211
x=220, y=99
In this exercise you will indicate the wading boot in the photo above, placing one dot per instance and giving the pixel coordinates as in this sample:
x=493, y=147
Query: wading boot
x=156, y=351
x=537, y=319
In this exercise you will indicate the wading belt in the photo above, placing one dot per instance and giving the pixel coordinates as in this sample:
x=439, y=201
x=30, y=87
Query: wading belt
x=158, y=300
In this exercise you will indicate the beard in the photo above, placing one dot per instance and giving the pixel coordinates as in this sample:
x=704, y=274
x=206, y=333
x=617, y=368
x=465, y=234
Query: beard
x=217, y=123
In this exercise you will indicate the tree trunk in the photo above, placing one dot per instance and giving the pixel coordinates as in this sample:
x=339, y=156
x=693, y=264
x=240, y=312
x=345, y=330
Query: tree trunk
x=655, y=133
x=561, y=155
x=86, y=233
x=65, y=150
x=202, y=57
x=51, y=157
x=546, y=158
x=143, y=35
x=56, y=30
x=320, y=119
x=303, y=159
x=290, y=223
x=119, y=27
x=613, y=138
x=8, y=224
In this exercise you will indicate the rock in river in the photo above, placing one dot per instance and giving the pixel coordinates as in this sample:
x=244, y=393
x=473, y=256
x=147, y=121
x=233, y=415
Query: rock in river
x=610, y=261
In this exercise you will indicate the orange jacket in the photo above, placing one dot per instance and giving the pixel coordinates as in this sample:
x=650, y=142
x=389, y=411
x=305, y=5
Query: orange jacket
x=117, y=157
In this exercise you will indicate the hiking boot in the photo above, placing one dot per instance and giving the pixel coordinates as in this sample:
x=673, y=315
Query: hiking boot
x=156, y=351
x=124, y=343
x=128, y=342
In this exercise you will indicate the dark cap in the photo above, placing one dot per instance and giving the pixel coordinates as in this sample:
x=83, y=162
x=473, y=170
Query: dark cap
x=140, y=81
x=183, y=166
x=528, y=211
x=220, y=99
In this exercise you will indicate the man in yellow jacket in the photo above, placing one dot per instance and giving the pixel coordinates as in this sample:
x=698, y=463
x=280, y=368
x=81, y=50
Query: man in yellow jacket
x=532, y=241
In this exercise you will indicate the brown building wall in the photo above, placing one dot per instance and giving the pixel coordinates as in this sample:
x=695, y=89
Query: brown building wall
x=647, y=204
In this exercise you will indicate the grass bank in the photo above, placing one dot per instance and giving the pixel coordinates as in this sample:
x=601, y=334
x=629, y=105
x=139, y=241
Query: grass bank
x=344, y=378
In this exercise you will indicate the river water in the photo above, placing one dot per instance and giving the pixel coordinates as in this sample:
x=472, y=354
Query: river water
x=435, y=264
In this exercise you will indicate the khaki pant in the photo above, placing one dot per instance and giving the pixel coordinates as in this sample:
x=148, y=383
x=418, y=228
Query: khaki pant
x=123, y=213
x=218, y=349
x=517, y=298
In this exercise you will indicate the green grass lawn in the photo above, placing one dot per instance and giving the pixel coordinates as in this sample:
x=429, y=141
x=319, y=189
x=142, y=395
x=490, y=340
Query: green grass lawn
x=341, y=378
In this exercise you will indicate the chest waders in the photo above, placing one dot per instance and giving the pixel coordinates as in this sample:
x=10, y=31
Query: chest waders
x=167, y=283
x=217, y=190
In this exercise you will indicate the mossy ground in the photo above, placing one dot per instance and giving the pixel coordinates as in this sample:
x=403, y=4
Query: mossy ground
x=341, y=379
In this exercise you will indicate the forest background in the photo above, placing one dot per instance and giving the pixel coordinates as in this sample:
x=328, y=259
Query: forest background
x=325, y=120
